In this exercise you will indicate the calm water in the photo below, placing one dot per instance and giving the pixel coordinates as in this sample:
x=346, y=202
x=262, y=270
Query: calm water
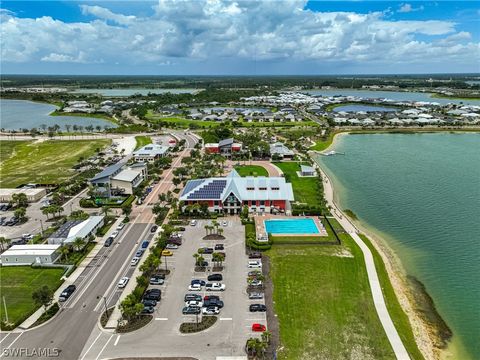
x=392, y=95
x=291, y=226
x=22, y=114
x=365, y=108
x=422, y=192
x=130, y=92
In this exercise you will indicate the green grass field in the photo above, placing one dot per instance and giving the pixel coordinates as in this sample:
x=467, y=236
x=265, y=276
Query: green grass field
x=251, y=170
x=142, y=141
x=47, y=162
x=17, y=286
x=7, y=148
x=323, y=302
x=305, y=189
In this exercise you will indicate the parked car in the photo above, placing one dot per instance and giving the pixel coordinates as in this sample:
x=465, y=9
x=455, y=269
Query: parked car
x=139, y=253
x=153, y=228
x=123, y=282
x=153, y=294
x=134, y=261
x=197, y=281
x=66, y=293
x=149, y=302
x=255, y=296
x=206, y=250
x=145, y=244
x=215, y=277
x=258, y=327
x=120, y=226
x=195, y=287
x=255, y=282
x=114, y=234
x=171, y=247
x=257, y=308
x=156, y=280
x=2, y=220
x=192, y=297
x=203, y=264
x=191, y=310
x=27, y=236
x=255, y=255
x=211, y=310
x=213, y=302
x=176, y=241
x=224, y=223
x=215, y=287
x=211, y=297
x=254, y=264
x=108, y=242
x=193, y=303
x=193, y=223
x=180, y=228
x=148, y=310
x=219, y=247
x=254, y=274
x=167, y=253
x=160, y=276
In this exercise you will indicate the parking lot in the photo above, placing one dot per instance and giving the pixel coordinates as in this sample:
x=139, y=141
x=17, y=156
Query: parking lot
x=227, y=337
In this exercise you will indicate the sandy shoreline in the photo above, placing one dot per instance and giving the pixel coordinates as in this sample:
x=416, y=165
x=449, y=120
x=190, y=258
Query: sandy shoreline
x=424, y=335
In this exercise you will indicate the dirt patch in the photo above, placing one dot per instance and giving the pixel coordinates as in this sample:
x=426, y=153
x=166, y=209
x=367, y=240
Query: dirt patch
x=272, y=320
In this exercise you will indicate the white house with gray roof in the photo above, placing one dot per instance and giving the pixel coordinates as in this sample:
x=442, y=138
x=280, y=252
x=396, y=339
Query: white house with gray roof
x=150, y=152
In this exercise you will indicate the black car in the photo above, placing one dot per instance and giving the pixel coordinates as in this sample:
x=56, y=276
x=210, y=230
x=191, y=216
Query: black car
x=153, y=294
x=148, y=310
x=203, y=264
x=257, y=308
x=189, y=310
x=197, y=281
x=213, y=302
x=149, y=302
x=108, y=242
x=211, y=297
x=219, y=247
x=192, y=297
x=181, y=228
x=215, y=277
x=205, y=250
x=153, y=228
x=67, y=293
x=255, y=255
x=159, y=276
x=2, y=220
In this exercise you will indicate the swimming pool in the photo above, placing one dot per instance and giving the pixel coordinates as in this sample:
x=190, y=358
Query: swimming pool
x=291, y=226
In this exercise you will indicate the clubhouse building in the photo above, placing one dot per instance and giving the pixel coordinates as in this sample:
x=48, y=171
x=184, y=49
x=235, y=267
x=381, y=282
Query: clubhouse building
x=229, y=194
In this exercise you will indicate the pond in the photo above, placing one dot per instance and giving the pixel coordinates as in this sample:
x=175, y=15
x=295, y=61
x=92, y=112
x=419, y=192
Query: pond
x=134, y=91
x=23, y=114
x=364, y=108
x=392, y=95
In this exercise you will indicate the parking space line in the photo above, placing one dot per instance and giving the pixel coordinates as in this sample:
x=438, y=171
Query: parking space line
x=161, y=319
x=116, y=340
x=225, y=319
x=103, y=348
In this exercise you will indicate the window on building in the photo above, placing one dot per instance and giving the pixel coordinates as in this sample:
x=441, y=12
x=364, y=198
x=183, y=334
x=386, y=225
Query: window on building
x=262, y=203
x=275, y=188
x=250, y=188
x=215, y=203
x=262, y=188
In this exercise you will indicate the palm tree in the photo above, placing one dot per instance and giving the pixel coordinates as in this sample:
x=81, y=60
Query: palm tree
x=3, y=241
x=64, y=251
x=215, y=224
x=78, y=243
x=220, y=231
x=207, y=227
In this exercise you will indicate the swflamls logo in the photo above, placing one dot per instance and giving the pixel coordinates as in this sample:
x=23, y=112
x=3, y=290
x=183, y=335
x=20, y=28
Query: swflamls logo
x=34, y=352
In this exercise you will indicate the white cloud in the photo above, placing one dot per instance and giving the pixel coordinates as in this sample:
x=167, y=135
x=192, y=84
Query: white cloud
x=211, y=30
x=406, y=8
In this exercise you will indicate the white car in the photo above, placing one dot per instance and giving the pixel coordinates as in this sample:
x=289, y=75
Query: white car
x=120, y=226
x=195, y=287
x=256, y=282
x=215, y=287
x=134, y=261
x=224, y=223
x=210, y=310
x=193, y=223
x=171, y=247
x=193, y=303
x=27, y=236
x=123, y=282
x=114, y=234
x=254, y=264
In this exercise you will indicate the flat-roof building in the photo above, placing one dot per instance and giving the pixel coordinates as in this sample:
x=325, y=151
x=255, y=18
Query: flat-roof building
x=33, y=194
x=30, y=254
x=279, y=150
x=71, y=230
x=150, y=152
x=119, y=179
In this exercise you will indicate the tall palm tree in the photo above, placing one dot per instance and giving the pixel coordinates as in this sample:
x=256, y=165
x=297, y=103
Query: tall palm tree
x=64, y=251
x=78, y=243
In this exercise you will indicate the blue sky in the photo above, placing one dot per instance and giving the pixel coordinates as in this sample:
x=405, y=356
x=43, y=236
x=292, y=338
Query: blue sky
x=239, y=37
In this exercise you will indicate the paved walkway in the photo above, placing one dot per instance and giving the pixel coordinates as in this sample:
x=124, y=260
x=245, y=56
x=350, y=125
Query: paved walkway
x=378, y=300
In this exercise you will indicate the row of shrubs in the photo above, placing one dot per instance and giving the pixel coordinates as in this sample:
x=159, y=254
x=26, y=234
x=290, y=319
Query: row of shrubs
x=308, y=210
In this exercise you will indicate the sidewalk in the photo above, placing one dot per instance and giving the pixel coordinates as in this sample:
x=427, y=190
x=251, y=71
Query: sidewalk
x=73, y=276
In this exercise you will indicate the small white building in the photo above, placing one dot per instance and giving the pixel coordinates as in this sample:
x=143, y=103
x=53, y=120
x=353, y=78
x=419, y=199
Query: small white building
x=71, y=230
x=30, y=254
x=150, y=152
x=307, y=171
x=33, y=194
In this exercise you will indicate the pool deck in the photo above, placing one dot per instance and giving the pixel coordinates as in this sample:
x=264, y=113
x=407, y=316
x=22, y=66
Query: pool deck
x=260, y=226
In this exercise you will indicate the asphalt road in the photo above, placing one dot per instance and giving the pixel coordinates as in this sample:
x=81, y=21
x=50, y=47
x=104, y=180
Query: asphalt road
x=70, y=329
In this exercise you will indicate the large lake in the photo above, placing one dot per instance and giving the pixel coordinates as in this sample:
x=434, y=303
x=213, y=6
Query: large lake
x=22, y=114
x=392, y=95
x=421, y=193
x=132, y=91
